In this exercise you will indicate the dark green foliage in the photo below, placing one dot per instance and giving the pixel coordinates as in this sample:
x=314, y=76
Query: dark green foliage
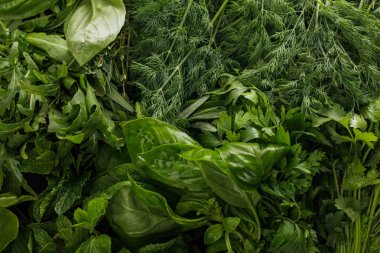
x=257, y=154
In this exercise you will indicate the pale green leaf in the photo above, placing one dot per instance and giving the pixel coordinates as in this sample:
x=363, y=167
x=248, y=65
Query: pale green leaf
x=93, y=26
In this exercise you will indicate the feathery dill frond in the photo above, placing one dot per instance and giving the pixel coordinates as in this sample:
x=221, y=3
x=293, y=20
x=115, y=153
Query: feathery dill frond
x=175, y=57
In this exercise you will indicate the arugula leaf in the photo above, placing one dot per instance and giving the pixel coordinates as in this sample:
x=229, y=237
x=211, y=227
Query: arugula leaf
x=54, y=45
x=19, y=9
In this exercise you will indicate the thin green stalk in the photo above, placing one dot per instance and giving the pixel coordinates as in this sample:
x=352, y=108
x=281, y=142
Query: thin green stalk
x=336, y=179
x=253, y=210
x=357, y=239
x=361, y=4
x=220, y=11
x=267, y=204
x=373, y=207
x=228, y=242
x=180, y=27
x=176, y=69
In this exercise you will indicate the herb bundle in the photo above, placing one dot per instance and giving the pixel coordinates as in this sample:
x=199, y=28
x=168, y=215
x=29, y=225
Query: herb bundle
x=189, y=126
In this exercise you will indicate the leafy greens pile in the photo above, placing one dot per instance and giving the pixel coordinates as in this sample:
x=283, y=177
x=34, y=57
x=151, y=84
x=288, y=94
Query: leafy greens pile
x=189, y=126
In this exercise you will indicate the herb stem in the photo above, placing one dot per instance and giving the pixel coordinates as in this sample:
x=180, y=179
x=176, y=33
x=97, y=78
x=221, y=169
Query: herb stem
x=336, y=179
x=228, y=242
x=176, y=69
x=220, y=11
x=187, y=11
x=373, y=207
x=361, y=4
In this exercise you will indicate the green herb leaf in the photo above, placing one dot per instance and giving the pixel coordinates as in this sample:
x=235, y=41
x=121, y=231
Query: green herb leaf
x=95, y=210
x=19, y=9
x=213, y=234
x=54, y=45
x=164, y=164
x=96, y=244
x=8, y=227
x=93, y=26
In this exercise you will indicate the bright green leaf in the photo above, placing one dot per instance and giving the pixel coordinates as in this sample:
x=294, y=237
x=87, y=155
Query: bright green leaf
x=93, y=26
x=213, y=234
x=8, y=227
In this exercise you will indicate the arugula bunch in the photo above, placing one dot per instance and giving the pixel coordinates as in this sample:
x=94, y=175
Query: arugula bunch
x=54, y=115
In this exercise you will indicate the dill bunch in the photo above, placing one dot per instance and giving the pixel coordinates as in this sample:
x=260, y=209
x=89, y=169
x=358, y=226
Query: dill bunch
x=306, y=53
x=174, y=53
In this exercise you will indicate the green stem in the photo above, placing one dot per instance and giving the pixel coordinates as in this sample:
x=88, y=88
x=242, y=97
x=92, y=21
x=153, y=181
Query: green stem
x=220, y=11
x=228, y=242
x=180, y=27
x=361, y=4
x=267, y=204
x=373, y=207
x=336, y=179
x=253, y=210
x=317, y=15
x=176, y=69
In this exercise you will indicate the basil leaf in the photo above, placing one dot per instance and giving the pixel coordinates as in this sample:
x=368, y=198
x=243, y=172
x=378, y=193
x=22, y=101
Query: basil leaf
x=164, y=164
x=93, y=26
x=135, y=212
x=217, y=177
x=144, y=134
x=213, y=234
x=8, y=227
x=251, y=162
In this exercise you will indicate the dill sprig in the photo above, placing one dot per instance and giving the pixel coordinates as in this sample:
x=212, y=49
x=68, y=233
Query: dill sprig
x=174, y=52
x=300, y=53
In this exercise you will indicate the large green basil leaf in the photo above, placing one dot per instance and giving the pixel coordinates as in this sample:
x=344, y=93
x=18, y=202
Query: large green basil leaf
x=19, y=9
x=144, y=134
x=8, y=227
x=93, y=26
x=135, y=212
x=164, y=164
x=54, y=45
x=251, y=162
x=217, y=176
